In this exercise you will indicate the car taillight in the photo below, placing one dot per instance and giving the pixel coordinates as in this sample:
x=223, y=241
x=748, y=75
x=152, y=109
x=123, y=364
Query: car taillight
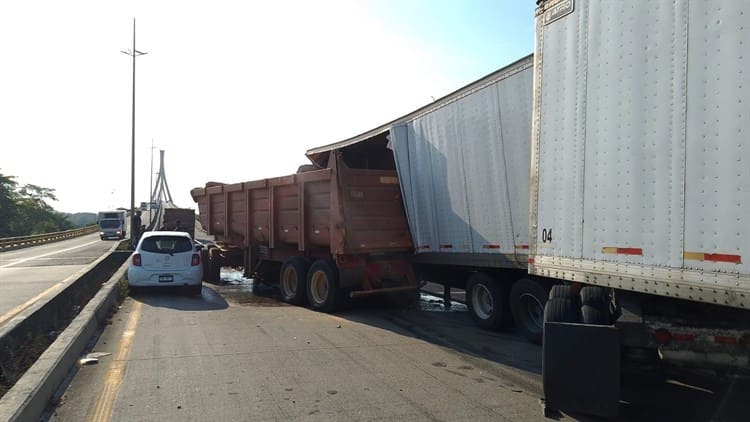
x=137, y=260
x=196, y=260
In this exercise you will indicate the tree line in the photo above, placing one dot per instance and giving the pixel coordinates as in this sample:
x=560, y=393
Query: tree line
x=24, y=209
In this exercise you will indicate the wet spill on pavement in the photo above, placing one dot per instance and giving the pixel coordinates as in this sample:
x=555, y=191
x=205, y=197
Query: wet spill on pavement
x=430, y=303
x=239, y=290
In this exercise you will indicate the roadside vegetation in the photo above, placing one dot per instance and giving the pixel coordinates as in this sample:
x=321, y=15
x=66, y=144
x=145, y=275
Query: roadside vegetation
x=24, y=209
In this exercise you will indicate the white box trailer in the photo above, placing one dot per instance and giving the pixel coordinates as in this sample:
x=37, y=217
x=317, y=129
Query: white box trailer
x=463, y=165
x=641, y=184
x=463, y=168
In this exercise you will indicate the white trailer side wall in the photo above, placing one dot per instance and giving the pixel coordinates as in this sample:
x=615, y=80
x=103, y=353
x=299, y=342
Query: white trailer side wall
x=464, y=165
x=640, y=154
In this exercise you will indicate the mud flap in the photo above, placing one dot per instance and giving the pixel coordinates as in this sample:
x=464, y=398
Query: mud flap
x=581, y=368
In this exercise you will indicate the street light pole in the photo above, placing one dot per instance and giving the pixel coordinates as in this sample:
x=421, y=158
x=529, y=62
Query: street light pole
x=134, y=53
x=151, y=185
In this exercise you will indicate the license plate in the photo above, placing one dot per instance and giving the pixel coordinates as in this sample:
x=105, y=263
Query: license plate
x=165, y=278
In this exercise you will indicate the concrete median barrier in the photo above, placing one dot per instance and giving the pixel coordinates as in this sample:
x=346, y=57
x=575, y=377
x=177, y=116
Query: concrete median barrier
x=75, y=313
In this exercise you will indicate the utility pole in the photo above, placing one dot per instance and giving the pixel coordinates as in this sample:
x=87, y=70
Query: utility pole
x=133, y=230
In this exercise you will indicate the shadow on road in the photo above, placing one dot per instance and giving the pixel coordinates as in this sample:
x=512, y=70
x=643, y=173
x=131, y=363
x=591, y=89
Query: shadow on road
x=684, y=397
x=176, y=299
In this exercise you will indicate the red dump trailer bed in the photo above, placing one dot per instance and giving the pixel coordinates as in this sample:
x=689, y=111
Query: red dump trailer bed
x=324, y=235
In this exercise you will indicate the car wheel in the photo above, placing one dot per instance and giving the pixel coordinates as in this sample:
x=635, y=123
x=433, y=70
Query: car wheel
x=322, y=286
x=293, y=276
x=486, y=299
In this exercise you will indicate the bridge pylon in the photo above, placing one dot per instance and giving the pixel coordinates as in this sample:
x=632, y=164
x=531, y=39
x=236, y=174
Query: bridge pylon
x=161, y=189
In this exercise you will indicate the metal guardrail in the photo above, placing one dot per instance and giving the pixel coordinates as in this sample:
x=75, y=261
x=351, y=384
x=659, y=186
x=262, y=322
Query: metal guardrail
x=9, y=243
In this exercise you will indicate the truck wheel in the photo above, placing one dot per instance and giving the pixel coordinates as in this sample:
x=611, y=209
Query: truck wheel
x=594, y=295
x=594, y=315
x=322, y=286
x=204, y=263
x=486, y=300
x=596, y=305
x=293, y=280
x=562, y=310
x=527, y=299
x=564, y=291
x=214, y=266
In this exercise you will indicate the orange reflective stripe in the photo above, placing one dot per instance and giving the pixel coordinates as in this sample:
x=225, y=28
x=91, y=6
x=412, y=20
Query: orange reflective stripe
x=622, y=251
x=714, y=257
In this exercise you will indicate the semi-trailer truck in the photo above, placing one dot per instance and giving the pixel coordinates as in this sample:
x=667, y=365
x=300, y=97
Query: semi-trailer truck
x=640, y=191
x=463, y=170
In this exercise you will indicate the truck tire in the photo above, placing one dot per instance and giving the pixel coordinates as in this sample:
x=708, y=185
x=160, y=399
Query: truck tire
x=562, y=310
x=323, y=286
x=204, y=263
x=594, y=295
x=596, y=305
x=214, y=266
x=486, y=299
x=564, y=291
x=527, y=299
x=594, y=315
x=293, y=277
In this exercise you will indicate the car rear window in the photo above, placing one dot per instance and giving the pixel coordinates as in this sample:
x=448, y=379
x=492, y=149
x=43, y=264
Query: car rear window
x=166, y=244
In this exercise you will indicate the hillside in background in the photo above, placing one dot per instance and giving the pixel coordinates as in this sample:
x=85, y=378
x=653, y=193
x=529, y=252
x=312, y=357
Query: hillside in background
x=81, y=219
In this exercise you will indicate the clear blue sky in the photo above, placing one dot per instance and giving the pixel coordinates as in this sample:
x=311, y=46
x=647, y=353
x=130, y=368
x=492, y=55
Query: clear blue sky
x=231, y=90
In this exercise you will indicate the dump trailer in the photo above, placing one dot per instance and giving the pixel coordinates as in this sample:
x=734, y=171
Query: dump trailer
x=640, y=192
x=463, y=167
x=185, y=217
x=326, y=234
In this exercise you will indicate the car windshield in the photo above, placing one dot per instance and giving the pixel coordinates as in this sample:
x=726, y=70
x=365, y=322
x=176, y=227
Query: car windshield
x=166, y=244
x=109, y=224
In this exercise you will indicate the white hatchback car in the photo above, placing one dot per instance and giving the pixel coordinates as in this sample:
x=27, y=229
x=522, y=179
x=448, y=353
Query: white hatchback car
x=165, y=258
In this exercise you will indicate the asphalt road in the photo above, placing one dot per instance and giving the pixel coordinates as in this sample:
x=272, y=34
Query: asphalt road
x=231, y=355
x=27, y=275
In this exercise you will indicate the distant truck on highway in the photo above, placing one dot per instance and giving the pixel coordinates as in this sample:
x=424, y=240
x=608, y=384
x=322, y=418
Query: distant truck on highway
x=186, y=217
x=112, y=224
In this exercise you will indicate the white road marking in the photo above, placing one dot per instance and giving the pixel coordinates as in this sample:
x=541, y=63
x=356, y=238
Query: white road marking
x=47, y=254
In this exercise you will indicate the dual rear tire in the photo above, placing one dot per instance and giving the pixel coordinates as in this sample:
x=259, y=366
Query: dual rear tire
x=211, y=265
x=315, y=284
x=293, y=280
x=491, y=304
x=486, y=300
x=323, y=292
